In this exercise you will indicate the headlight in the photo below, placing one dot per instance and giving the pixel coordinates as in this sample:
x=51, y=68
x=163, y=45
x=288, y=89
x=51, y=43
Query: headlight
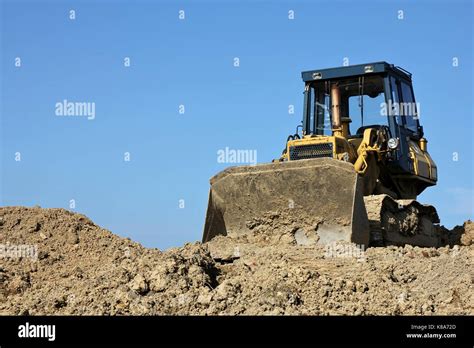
x=392, y=143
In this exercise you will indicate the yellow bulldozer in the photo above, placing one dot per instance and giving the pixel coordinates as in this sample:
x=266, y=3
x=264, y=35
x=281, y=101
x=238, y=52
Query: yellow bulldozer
x=360, y=142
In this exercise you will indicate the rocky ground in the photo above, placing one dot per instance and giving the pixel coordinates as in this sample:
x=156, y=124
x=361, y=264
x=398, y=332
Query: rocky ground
x=69, y=265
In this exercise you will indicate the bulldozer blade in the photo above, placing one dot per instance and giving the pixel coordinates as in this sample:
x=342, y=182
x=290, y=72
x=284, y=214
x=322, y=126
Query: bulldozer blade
x=323, y=195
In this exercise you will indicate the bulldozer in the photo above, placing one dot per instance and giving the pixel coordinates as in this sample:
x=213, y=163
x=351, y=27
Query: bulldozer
x=352, y=170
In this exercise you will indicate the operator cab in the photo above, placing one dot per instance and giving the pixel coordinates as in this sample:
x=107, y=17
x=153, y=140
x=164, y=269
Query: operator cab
x=344, y=102
x=370, y=95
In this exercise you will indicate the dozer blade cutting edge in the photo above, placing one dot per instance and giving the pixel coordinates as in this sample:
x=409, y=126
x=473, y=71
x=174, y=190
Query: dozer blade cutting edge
x=323, y=194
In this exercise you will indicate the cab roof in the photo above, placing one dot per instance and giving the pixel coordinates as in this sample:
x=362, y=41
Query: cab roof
x=355, y=70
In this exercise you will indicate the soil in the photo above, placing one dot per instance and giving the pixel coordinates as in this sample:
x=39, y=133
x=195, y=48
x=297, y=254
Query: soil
x=53, y=261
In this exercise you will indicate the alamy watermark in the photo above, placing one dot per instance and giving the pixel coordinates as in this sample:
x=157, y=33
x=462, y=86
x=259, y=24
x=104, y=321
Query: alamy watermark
x=400, y=109
x=80, y=109
x=28, y=330
x=16, y=251
x=339, y=250
x=228, y=155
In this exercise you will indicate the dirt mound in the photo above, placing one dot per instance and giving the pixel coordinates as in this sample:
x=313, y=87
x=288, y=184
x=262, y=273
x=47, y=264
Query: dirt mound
x=463, y=235
x=53, y=261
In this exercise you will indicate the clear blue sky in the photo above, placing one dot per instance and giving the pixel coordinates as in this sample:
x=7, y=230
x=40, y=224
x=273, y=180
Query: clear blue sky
x=190, y=62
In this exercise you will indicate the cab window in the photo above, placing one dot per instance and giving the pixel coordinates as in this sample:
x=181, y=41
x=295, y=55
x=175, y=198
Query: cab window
x=362, y=100
x=408, y=107
x=319, y=110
